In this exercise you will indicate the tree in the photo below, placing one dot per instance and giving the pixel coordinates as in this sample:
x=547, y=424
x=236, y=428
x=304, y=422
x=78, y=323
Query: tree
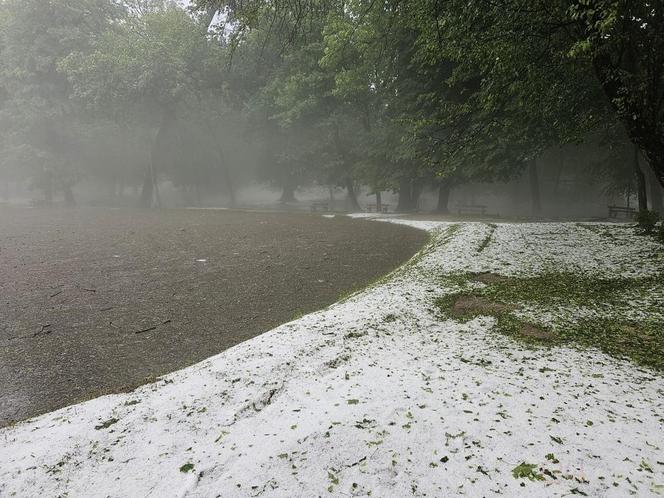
x=40, y=122
x=624, y=40
x=147, y=69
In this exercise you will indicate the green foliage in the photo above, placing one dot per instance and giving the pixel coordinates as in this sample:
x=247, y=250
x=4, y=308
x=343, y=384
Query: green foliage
x=153, y=61
x=527, y=471
x=40, y=125
x=647, y=221
x=388, y=94
x=471, y=90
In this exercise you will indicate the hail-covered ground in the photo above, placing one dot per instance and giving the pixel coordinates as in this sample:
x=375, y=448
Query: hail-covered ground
x=385, y=395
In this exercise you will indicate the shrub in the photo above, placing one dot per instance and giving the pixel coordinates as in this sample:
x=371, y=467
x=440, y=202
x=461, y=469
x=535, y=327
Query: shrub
x=647, y=220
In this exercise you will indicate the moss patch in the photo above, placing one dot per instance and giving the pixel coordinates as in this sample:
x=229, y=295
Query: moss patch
x=469, y=305
x=488, y=278
x=611, y=328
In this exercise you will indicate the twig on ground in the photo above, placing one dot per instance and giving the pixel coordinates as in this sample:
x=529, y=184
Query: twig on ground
x=146, y=330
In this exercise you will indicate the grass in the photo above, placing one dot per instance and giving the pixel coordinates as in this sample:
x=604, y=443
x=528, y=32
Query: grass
x=611, y=329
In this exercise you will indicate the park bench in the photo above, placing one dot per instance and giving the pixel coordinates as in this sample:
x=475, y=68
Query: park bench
x=320, y=206
x=471, y=209
x=384, y=208
x=614, y=211
x=39, y=203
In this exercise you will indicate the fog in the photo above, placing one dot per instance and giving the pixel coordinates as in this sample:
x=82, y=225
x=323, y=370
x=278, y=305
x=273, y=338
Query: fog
x=173, y=104
x=287, y=248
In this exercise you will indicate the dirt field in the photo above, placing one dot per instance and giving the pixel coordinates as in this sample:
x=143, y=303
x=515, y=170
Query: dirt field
x=94, y=301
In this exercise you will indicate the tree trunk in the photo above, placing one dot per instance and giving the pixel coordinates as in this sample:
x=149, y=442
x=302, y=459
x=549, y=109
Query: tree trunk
x=155, y=184
x=150, y=188
x=70, y=201
x=443, y=198
x=635, y=114
x=642, y=195
x=656, y=202
x=658, y=170
x=405, y=203
x=379, y=202
x=534, y=188
x=146, y=191
x=48, y=187
x=352, y=197
x=288, y=192
x=416, y=193
x=230, y=187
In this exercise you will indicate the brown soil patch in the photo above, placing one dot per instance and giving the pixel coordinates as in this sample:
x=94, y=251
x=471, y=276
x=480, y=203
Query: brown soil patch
x=530, y=330
x=635, y=331
x=473, y=304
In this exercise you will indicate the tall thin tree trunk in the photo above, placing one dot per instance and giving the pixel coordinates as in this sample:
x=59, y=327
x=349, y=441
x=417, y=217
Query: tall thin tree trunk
x=534, y=187
x=640, y=181
x=48, y=188
x=379, y=202
x=155, y=184
x=656, y=201
x=443, y=197
x=405, y=196
x=657, y=167
x=352, y=197
x=416, y=193
x=230, y=187
x=146, y=191
x=150, y=190
x=70, y=201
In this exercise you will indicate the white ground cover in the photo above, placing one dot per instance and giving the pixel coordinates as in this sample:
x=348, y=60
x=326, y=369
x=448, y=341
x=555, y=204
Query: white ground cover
x=378, y=396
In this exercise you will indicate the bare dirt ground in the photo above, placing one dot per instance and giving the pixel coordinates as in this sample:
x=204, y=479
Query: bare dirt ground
x=94, y=301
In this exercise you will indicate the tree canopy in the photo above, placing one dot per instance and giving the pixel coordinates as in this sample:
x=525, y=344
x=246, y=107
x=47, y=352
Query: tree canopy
x=393, y=95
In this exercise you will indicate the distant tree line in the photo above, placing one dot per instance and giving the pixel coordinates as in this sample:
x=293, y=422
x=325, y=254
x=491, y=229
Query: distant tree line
x=391, y=95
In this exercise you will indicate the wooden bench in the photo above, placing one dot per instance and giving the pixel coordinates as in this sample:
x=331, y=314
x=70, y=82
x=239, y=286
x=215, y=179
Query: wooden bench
x=320, y=205
x=384, y=208
x=614, y=211
x=471, y=209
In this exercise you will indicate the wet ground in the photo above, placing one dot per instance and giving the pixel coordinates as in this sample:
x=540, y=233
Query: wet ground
x=94, y=301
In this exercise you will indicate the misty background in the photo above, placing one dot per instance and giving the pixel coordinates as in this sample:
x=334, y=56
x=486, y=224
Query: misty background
x=228, y=104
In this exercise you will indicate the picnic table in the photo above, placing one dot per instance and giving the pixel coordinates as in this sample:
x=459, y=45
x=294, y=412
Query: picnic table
x=614, y=211
x=471, y=209
x=384, y=208
x=320, y=205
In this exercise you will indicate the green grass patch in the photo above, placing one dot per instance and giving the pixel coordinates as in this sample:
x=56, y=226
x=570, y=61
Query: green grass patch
x=642, y=340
